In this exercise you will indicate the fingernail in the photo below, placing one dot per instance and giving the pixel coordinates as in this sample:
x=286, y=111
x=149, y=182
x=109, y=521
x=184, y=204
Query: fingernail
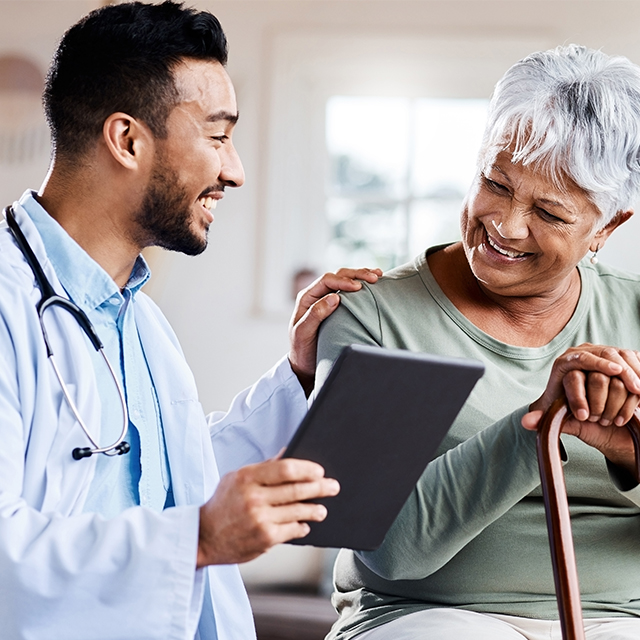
x=605, y=423
x=594, y=418
x=582, y=414
x=619, y=421
x=333, y=299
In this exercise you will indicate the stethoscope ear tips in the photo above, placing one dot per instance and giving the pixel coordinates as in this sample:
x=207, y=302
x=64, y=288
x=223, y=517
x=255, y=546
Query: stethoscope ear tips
x=79, y=453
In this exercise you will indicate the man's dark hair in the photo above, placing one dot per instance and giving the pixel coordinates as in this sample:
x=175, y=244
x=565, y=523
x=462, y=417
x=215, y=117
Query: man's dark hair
x=120, y=58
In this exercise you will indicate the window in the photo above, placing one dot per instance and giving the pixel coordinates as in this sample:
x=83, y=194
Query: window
x=373, y=190
x=398, y=172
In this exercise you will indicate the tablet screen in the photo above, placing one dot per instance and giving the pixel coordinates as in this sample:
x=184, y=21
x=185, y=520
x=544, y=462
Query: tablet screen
x=375, y=425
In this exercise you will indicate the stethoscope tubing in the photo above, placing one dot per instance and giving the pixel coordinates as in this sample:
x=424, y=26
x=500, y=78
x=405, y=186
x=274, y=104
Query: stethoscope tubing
x=48, y=300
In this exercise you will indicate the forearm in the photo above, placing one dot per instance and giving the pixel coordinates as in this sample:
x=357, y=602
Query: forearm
x=460, y=493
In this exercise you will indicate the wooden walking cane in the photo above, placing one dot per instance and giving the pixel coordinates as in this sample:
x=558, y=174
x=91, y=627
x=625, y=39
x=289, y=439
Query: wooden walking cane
x=556, y=507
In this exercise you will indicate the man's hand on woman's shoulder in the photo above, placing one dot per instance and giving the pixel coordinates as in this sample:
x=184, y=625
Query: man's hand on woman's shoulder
x=313, y=305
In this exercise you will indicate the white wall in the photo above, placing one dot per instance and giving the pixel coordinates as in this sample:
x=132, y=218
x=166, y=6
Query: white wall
x=214, y=301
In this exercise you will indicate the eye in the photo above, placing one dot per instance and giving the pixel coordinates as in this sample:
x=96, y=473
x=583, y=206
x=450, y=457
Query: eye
x=544, y=214
x=221, y=139
x=496, y=187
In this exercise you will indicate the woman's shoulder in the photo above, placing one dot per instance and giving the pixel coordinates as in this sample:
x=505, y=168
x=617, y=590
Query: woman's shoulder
x=394, y=287
x=609, y=279
x=613, y=302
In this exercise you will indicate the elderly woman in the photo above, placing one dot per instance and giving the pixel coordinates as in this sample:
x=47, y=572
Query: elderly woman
x=468, y=555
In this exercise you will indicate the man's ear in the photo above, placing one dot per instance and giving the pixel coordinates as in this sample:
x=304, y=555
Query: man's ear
x=603, y=234
x=129, y=141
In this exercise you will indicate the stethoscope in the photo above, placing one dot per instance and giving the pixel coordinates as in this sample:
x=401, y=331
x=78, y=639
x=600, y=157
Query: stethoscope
x=51, y=299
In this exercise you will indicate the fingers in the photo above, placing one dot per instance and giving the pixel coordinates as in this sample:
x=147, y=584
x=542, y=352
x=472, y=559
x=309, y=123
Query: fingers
x=588, y=358
x=289, y=480
x=626, y=412
x=596, y=395
x=597, y=392
x=314, y=305
x=606, y=397
x=342, y=280
x=623, y=394
x=309, y=512
x=300, y=491
x=286, y=481
x=588, y=361
x=531, y=420
x=602, y=387
x=609, y=399
x=281, y=471
x=355, y=275
x=630, y=365
x=574, y=389
x=347, y=279
x=259, y=506
x=303, y=335
x=598, y=398
x=307, y=325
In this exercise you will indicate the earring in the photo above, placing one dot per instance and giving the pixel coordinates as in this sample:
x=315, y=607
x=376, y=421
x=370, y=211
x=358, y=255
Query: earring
x=594, y=257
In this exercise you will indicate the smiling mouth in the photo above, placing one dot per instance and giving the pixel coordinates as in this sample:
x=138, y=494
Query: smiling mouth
x=208, y=202
x=508, y=253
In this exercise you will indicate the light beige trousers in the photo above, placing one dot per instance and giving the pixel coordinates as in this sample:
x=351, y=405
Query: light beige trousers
x=459, y=624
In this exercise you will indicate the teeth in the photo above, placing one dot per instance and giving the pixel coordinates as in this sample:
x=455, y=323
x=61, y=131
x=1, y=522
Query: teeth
x=505, y=252
x=208, y=202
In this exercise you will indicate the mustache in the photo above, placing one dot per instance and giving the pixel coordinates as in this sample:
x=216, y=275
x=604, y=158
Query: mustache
x=213, y=189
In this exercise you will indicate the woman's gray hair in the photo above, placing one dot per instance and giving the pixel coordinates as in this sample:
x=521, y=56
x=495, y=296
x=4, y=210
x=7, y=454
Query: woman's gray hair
x=573, y=112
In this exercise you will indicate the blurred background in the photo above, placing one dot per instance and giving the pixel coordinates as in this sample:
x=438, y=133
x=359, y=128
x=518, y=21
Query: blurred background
x=360, y=123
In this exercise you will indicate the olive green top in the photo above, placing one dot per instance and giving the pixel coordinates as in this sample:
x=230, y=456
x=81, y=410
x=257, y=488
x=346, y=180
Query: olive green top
x=473, y=533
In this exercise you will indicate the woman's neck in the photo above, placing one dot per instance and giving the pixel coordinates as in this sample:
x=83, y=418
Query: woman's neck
x=531, y=321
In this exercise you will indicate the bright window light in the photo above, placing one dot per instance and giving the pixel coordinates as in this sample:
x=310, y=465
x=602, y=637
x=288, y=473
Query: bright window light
x=399, y=170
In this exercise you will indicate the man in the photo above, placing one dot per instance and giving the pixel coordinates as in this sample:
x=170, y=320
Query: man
x=140, y=545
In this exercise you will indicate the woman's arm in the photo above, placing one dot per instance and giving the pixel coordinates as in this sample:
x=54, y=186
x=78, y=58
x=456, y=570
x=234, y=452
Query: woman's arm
x=460, y=493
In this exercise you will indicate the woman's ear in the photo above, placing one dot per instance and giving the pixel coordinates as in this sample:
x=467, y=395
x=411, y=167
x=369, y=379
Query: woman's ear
x=129, y=141
x=603, y=234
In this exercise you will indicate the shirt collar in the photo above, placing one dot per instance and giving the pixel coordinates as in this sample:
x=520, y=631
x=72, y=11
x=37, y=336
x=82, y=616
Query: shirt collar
x=84, y=280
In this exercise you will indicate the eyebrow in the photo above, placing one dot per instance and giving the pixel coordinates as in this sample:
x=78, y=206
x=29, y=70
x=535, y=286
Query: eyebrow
x=500, y=171
x=554, y=203
x=232, y=118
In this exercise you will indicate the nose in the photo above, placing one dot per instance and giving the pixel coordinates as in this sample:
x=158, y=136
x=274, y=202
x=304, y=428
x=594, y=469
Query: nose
x=231, y=169
x=511, y=224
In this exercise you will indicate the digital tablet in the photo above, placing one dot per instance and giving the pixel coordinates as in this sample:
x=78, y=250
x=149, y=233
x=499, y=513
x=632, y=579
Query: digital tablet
x=375, y=425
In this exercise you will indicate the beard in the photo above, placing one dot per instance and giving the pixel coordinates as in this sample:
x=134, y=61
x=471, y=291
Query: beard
x=164, y=217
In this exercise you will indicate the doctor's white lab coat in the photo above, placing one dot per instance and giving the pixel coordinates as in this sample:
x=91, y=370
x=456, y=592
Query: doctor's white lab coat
x=65, y=574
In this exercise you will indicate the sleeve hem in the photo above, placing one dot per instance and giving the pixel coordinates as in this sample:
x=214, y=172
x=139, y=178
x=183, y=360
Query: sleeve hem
x=624, y=482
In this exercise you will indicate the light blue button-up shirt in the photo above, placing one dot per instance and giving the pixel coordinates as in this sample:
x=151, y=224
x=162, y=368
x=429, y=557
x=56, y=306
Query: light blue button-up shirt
x=142, y=476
